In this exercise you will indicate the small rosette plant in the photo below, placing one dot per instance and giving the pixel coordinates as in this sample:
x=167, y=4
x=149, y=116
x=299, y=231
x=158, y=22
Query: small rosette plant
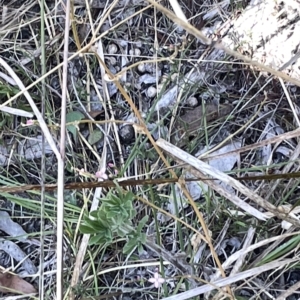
x=113, y=220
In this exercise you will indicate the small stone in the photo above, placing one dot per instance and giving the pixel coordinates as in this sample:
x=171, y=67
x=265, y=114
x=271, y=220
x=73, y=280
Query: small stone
x=142, y=68
x=151, y=92
x=112, y=49
x=126, y=134
x=55, y=83
x=138, y=86
x=112, y=60
x=137, y=52
x=191, y=101
x=123, y=43
x=105, y=27
x=151, y=68
x=179, y=30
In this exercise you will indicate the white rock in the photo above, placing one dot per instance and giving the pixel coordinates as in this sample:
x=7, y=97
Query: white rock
x=191, y=101
x=112, y=60
x=112, y=49
x=151, y=92
x=142, y=68
x=137, y=52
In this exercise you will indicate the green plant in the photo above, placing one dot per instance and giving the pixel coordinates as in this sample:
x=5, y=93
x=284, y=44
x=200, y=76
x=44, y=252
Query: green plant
x=113, y=219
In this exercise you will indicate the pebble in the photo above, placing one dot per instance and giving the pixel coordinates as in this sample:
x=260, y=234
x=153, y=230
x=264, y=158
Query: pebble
x=127, y=134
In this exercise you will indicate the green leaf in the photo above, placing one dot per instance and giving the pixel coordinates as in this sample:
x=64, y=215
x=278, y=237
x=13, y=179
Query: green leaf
x=142, y=223
x=95, y=137
x=129, y=246
x=116, y=200
x=103, y=236
x=121, y=231
x=108, y=235
x=132, y=213
x=96, y=240
x=140, y=249
x=94, y=214
x=96, y=225
x=86, y=229
x=281, y=250
x=142, y=238
x=69, y=166
x=73, y=116
x=129, y=197
x=116, y=217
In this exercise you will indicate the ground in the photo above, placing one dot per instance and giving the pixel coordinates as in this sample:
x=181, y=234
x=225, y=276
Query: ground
x=143, y=93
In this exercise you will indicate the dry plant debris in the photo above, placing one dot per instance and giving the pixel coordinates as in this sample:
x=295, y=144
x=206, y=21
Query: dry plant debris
x=10, y=283
x=136, y=80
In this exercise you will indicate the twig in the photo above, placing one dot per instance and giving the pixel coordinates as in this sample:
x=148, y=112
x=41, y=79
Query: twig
x=135, y=182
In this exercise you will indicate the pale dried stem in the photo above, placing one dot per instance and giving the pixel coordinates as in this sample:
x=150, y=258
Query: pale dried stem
x=61, y=166
x=210, y=171
x=276, y=139
x=290, y=291
x=192, y=30
x=229, y=280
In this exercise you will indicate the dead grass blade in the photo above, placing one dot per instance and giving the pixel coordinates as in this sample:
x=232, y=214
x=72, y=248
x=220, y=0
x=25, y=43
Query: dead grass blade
x=234, y=257
x=275, y=139
x=210, y=171
x=286, y=169
x=231, y=279
x=61, y=166
x=290, y=291
x=218, y=45
x=33, y=107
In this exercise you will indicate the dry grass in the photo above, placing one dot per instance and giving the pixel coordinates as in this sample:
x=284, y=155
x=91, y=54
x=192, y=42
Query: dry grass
x=130, y=72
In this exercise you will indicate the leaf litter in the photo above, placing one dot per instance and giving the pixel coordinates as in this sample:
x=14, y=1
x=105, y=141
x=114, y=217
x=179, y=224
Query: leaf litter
x=198, y=71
